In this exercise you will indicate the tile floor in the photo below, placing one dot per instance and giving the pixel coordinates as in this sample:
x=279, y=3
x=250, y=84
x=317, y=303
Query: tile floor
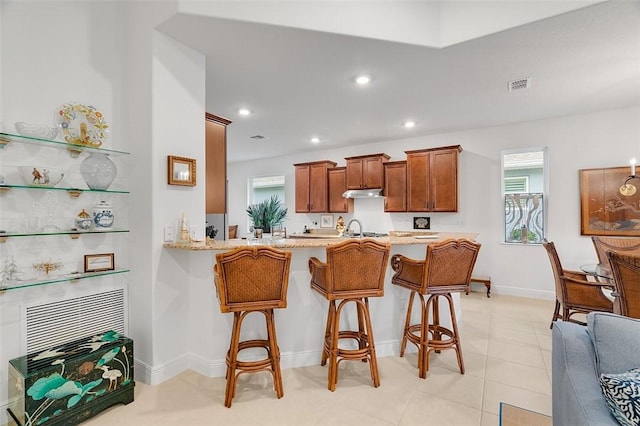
x=506, y=345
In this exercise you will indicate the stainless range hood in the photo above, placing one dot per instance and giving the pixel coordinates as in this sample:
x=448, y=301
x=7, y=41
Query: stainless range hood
x=363, y=193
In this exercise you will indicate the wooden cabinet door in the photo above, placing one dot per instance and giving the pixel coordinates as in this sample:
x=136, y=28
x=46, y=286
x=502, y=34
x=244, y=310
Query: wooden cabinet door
x=432, y=179
x=337, y=178
x=444, y=181
x=318, y=193
x=303, y=180
x=215, y=164
x=354, y=174
x=372, y=172
x=365, y=171
x=312, y=193
x=418, y=181
x=395, y=186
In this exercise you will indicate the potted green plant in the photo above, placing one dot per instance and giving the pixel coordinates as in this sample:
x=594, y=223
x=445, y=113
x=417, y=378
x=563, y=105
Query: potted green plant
x=267, y=213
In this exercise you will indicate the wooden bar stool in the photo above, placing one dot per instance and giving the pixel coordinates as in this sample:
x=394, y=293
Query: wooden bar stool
x=252, y=279
x=446, y=269
x=354, y=271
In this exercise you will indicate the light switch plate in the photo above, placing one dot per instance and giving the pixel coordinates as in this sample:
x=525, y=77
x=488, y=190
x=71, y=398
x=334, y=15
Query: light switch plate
x=169, y=233
x=193, y=232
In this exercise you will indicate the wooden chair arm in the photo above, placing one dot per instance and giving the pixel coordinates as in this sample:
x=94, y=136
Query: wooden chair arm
x=318, y=272
x=315, y=263
x=409, y=273
x=572, y=280
x=397, y=261
x=576, y=275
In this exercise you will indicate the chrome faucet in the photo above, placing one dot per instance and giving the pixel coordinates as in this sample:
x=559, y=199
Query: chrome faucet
x=349, y=227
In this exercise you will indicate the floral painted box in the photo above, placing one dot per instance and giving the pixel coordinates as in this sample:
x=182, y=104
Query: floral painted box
x=69, y=383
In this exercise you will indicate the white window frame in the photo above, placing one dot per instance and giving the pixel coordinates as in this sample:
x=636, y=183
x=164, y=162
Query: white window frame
x=545, y=185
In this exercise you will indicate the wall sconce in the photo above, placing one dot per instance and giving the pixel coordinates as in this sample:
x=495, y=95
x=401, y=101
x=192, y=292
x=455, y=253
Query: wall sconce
x=628, y=189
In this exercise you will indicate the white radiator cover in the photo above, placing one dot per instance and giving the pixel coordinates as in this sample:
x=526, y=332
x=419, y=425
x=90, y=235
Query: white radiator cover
x=53, y=323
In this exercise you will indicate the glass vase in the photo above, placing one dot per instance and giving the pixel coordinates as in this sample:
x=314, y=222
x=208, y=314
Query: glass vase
x=98, y=171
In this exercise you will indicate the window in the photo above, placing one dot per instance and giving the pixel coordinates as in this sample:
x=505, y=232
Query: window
x=524, y=183
x=263, y=188
x=516, y=184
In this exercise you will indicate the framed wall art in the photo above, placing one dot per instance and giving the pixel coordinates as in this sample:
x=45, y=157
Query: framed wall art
x=99, y=262
x=607, y=205
x=181, y=171
x=326, y=221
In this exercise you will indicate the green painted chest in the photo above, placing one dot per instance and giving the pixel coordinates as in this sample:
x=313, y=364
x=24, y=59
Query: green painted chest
x=69, y=383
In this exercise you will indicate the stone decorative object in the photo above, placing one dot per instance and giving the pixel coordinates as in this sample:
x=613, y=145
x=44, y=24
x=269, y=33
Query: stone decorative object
x=98, y=171
x=102, y=216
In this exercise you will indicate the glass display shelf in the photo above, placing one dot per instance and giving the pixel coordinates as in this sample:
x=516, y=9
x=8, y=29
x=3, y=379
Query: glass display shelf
x=59, y=279
x=73, y=192
x=74, y=149
x=72, y=233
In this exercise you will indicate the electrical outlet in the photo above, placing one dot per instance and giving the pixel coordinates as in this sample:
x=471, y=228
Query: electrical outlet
x=193, y=233
x=169, y=233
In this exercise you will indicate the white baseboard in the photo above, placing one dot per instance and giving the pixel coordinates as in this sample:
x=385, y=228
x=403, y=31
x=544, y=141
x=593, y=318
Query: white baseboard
x=523, y=292
x=217, y=368
x=158, y=374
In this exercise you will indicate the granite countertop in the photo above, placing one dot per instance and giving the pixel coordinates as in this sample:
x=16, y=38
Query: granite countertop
x=394, y=238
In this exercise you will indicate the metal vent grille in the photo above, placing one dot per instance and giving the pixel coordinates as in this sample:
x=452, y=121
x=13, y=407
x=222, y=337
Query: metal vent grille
x=523, y=83
x=258, y=137
x=59, y=322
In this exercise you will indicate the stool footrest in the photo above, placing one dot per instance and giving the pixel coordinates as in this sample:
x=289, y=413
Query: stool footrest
x=257, y=365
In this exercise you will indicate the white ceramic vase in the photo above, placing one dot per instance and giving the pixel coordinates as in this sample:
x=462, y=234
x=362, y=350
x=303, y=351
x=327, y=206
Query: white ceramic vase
x=98, y=171
x=102, y=216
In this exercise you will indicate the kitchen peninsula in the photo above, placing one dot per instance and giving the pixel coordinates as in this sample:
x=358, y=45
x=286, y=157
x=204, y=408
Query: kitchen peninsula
x=300, y=327
x=394, y=238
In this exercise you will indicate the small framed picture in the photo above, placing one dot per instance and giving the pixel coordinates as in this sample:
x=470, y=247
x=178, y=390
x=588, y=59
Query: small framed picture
x=326, y=221
x=99, y=262
x=181, y=171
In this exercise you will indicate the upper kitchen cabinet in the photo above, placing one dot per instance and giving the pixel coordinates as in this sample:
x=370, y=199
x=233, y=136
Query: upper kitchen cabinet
x=337, y=178
x=216, y=163
x=312, y=192
x=365, y=171
x=432, y=179
x=395, y=186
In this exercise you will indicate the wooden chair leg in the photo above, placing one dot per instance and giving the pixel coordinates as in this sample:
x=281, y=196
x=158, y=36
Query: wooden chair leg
x=423, y=347
x=436, y=320
x=373, y=361
x=407, y=324
x=274, y=353
x=333, y=348
x=362, y=328
x=331, y=313
x=456, y=335
x=556, y=313
x=232, y=358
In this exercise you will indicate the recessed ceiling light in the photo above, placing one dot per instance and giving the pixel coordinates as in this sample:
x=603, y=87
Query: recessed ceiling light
x=244, y=112
x=409, y=124
x=315, y=140
x=363, y=80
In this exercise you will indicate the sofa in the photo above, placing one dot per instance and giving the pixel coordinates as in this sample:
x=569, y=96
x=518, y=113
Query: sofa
x=609, y=344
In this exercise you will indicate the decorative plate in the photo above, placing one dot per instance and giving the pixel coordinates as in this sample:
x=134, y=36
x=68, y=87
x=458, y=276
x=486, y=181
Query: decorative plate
x=82, y=124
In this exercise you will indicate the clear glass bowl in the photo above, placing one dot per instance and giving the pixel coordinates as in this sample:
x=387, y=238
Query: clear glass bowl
x=36, y=130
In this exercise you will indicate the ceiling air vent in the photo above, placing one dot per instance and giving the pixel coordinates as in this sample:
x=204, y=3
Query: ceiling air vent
x=257, y=137
x=523, y=83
